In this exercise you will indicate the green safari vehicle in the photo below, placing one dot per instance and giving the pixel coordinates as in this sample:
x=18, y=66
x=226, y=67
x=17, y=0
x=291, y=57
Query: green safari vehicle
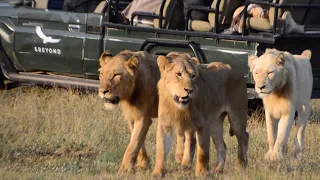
x=55, y=47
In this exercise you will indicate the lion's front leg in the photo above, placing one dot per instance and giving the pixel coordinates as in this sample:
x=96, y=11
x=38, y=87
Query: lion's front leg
x=179, y=147
x=284, y=127
x=189, y=148
x=203, y=144
x=163, y=146
x=139, y=132
x=142, y=160
x=272, y=128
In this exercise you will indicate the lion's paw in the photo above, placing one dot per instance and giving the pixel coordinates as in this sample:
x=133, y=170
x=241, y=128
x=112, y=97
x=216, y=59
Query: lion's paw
x=299, y=155
x=158, y=173
x=125, y=168
x=240, y=165
x=217, y=170
x=274, y=156
x=179, y=157
x=202, y=171
x=268, y=155
x=143, y=165
x=185, y=166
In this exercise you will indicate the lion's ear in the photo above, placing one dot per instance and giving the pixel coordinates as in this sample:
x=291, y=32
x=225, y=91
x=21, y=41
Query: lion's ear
x=195, y=60
x=162, y=63
x=252, y=62
x=280, y=59
x=105, y=56
x=132, y=64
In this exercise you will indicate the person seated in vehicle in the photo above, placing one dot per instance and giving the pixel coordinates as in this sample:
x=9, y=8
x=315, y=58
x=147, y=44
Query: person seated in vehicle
x=262, y=20
x=173, y=17
x=150, y=6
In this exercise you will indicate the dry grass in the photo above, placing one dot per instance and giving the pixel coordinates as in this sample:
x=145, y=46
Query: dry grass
x=59, y=134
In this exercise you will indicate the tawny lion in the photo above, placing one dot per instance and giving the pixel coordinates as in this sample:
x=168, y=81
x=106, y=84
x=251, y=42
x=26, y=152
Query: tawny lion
x=284, y=82
x=130, y=80
x=193, y=97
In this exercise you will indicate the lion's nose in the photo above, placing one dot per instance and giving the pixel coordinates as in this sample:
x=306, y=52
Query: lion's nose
x=188, y=90
x=261, y=87
x=105, y=91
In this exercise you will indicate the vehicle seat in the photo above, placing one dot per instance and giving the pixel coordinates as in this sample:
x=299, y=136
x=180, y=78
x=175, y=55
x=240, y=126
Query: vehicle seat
x=226, y=9
x=100, y=9
x=266, y=24
x=41, y=4
x=173, y=17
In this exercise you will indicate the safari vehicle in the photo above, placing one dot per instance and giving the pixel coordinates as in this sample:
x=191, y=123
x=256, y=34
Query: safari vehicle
x=43, y=46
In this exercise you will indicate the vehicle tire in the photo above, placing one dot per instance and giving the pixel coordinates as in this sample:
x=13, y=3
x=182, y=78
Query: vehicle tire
x=255, y=105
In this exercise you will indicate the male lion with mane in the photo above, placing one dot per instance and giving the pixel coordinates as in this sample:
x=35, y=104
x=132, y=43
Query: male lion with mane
x=284, y=82
x=130, y=80
x=196, y=97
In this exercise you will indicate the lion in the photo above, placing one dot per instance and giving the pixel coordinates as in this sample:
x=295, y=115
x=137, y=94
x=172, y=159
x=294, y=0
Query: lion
x=284, y=82
x=192, y=97
x=130, y=80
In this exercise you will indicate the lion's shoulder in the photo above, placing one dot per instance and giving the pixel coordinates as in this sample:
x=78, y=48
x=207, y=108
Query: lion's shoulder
x=216, y=66
x=217, y=71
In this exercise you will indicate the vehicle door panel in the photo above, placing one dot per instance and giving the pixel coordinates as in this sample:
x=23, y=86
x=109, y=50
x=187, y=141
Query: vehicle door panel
x=50, y=40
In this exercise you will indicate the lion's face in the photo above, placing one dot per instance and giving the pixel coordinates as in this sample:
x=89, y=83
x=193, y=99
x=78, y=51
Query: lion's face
x=178, y=76
x=268, y=72
x=116, y=78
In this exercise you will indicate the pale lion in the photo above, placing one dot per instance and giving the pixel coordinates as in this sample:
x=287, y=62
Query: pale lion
x=284, y=82
x=194, y=97
x=130, y=80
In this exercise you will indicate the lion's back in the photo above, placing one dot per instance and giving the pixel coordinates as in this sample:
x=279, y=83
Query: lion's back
x=303, y=75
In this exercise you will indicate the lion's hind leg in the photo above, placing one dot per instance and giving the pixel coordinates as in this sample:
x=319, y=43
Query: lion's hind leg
x=216, y=131
x=238, y=123
x=203, y=145
x=303, y=115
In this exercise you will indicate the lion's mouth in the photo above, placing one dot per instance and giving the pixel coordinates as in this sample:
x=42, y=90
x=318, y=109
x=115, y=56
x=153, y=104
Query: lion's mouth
x=265, y=92
x=114, y=100
x=182, y=100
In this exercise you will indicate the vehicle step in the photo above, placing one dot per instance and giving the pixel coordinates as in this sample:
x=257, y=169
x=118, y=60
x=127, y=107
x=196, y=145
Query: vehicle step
x=60, y=81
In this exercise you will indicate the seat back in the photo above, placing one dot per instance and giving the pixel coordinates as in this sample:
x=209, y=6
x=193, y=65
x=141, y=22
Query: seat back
x=41, y=4
x=173, y=17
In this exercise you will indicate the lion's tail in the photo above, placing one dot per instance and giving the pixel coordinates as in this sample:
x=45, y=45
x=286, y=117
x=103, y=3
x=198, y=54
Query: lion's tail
x=307, y=53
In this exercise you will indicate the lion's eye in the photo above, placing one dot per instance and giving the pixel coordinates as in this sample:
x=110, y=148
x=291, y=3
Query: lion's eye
x=115, y=75
x=193, y=76
x=178, y=74
x=270, y=72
